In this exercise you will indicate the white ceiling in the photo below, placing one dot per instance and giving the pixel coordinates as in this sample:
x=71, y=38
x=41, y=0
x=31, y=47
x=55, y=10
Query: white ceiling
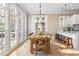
x=50, y=8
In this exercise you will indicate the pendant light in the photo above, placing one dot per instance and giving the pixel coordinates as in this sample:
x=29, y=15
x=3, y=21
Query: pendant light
x=70, y=9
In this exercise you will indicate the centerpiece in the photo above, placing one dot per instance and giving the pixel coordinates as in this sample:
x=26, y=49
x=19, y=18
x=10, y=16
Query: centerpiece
x=40, y=33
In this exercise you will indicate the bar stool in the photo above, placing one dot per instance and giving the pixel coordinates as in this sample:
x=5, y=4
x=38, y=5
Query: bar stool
x=64, y=40
x=60, y=38
x=56, y=36
x=68, y=42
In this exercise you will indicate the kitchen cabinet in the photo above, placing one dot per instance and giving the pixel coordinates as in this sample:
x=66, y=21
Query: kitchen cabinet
x=64, y=21
x=61, y=21
x=75, y=19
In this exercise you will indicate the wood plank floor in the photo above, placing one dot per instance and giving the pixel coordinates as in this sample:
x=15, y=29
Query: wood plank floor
x=57, y=49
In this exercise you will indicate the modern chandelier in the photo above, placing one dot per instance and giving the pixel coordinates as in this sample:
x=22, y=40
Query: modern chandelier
x=40, y=24
x=40, y=16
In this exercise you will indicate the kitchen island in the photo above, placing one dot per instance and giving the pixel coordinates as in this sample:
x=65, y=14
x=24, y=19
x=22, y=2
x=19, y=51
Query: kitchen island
x=74, y=35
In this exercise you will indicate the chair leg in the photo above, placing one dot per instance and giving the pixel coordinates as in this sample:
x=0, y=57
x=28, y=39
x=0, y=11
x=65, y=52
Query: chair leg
x=71, y=43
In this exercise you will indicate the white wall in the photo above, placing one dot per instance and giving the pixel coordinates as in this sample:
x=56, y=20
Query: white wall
x=53, y=23
x=31, y=25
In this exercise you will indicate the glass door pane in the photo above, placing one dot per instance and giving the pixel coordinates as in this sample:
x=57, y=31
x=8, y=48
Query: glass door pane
x=13, y=25
x=25, y=25
x=21, y=25
x=3, y=29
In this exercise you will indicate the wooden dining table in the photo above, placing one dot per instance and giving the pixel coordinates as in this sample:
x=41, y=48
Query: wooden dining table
x=40, y=42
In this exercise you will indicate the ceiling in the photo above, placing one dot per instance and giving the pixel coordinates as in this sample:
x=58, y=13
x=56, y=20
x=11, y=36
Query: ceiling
x=50, y=8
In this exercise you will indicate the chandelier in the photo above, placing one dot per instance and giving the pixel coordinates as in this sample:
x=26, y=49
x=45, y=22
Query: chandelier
x=40, y=24
x=40, y=17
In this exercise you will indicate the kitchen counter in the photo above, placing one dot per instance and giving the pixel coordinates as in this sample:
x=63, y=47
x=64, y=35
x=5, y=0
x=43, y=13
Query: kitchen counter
x=75, y=37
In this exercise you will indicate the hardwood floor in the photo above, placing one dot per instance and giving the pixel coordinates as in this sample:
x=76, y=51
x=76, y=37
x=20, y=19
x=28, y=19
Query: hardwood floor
x=57, y=49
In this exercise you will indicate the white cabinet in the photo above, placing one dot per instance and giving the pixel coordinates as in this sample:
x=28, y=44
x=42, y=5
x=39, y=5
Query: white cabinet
x=61, y=21
x=75, y=19
x=75, y=40
x=64, y=21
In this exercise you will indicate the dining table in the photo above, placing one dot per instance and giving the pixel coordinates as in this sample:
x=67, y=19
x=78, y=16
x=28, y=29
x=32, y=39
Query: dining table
x=39, y=42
